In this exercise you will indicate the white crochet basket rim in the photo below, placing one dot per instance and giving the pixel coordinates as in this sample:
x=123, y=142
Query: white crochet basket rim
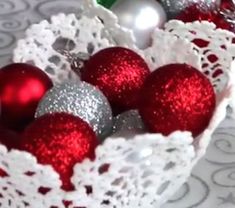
x=143, y=172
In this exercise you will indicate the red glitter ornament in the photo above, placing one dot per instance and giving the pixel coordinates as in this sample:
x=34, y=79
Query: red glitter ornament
x=119, y=73
x=9, y=138
x=21, y=88
x=61, y=140
x=195, y=12
x=177, y=97
x=218, y=17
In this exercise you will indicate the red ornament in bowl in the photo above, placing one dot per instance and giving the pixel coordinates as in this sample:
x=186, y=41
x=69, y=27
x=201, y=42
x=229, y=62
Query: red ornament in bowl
x=119, y=73
x=9, y=138
x=60, y=140
x=21, y=88
x=177, y=97
x=220, y=17
x=195, y=12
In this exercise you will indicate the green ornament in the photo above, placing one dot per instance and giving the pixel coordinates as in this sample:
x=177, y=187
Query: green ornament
x=106, y=3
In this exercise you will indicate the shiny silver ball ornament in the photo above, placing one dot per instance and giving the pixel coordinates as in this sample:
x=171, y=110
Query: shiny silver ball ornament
x=80, y=99
x=140, y=16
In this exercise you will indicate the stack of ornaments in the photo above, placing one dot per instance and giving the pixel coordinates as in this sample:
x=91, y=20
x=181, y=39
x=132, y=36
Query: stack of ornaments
x=117, y=94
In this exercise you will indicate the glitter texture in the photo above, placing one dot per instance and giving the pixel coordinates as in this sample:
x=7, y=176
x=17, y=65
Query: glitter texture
x=119, y=73
x=221, y=18
x=60, y=140
x=177, y=97
x=80, y=99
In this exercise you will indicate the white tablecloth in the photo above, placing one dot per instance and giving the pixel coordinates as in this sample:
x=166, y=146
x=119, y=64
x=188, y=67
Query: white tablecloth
x=212, y=184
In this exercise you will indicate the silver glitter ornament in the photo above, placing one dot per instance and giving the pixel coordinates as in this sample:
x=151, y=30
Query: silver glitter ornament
x=80, y=99
x=175, y=7
x=128, y=124
x=140, y=16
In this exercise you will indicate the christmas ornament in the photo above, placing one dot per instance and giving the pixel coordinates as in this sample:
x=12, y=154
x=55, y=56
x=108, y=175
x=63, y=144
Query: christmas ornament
x=129, y=120
x=61, y=140
x=80, y=99
x=106, y=3
x=223, y=19
x=9, y=138
x=140, y=16
x=127, y=125
x=177, y=97
x=21, y=88
x=174, y=8
x=119, y=73
x=196, y=13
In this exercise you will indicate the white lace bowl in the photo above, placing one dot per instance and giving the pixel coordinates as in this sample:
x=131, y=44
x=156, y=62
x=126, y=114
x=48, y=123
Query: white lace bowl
x=144, y=171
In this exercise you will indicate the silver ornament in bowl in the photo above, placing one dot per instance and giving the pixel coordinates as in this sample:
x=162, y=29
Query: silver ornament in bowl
x=128, y=124
x=80, y=99
x=140, y=16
